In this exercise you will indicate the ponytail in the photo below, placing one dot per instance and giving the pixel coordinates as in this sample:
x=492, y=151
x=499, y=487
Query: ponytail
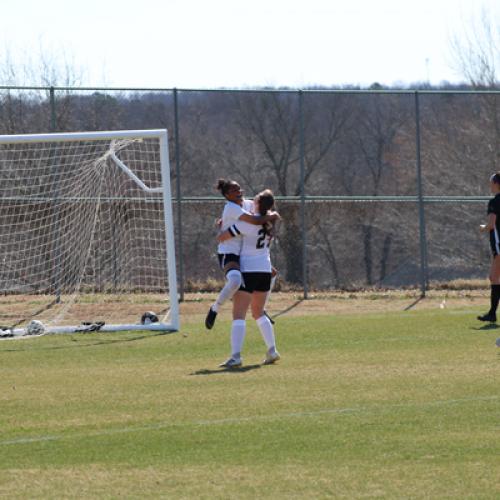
x=223, y=185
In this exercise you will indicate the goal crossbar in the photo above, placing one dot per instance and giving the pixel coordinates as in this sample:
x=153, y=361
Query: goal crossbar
x=90, y=136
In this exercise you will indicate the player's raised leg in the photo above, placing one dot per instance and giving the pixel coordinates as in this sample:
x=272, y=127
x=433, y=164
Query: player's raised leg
x=230, y=263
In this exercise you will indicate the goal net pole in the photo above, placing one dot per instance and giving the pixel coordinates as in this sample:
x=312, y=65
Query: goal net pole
x=169, y=230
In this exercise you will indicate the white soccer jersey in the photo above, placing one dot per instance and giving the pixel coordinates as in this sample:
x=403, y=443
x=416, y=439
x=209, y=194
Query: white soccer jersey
x=230, y=215
x=254, y=256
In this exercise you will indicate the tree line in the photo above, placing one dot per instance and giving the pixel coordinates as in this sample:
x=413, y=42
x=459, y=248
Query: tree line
x=320, y=143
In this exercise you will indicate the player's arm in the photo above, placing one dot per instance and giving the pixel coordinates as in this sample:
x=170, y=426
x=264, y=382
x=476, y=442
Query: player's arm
x=490, y=225
x=272, y=228
x=259, y=220
x=230, y=232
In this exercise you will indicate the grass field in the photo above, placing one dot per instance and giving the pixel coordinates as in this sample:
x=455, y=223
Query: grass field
x=369, y=402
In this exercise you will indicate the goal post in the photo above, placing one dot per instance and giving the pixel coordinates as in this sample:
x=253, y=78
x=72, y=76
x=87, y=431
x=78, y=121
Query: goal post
x=86, y=232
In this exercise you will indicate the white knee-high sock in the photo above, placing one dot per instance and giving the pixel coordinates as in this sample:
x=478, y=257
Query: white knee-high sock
x=266, y=329
x=238, y=329
x=273, y=281
x=233, y=283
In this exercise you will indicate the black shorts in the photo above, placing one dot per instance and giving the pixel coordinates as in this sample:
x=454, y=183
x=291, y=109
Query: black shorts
x=494, y=244
x=225, y=258
x=256, y=282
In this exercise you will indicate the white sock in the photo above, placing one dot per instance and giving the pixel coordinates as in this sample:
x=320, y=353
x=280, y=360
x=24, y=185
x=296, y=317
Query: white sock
x=273, y=281
x=233, y=283
x=238, y=329
x=266, y=329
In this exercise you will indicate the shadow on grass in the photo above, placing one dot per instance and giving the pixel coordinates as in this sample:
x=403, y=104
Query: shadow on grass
x=241, y=369
x=80, y=340
x=288, y=309
x=489, y=326
x=414, y=303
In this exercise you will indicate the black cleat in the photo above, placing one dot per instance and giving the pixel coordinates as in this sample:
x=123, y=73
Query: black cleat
x=210, y=319
x=269, y=317
x=492, y=318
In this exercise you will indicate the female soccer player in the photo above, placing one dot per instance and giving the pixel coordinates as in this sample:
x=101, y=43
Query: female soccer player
x=255, y=264
x=236, y=209
x=493, y=226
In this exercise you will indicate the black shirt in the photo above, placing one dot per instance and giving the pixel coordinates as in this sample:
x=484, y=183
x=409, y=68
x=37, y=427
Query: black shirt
x=494, y=208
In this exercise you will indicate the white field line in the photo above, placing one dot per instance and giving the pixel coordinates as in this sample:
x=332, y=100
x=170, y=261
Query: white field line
x=237, y=420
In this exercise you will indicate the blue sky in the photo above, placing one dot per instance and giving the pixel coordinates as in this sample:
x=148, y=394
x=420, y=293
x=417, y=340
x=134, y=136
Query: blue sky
x=233, y=43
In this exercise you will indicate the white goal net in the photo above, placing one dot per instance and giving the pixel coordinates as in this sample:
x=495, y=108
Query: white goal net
x=86, y=232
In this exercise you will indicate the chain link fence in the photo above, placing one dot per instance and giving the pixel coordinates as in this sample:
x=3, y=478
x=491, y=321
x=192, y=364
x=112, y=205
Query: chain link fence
x=376, y=188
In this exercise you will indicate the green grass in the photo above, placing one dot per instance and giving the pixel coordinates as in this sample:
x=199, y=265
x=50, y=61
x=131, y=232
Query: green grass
x=399, y=405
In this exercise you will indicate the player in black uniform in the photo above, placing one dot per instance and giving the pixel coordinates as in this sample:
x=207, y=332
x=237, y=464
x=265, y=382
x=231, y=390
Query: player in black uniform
x=493, y=227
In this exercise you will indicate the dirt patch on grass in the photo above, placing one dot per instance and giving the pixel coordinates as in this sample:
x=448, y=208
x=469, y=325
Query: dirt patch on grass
x=293, y=304
x=129, y=309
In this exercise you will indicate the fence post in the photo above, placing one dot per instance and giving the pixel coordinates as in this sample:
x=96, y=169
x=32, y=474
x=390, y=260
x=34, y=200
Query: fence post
x=53, y=116
x=180, y=248
x=421, y=207
x=303, y=194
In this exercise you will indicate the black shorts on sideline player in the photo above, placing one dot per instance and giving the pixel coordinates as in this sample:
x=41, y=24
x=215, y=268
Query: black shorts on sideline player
x=225, y=258
x=494, y=243
x=256, y=282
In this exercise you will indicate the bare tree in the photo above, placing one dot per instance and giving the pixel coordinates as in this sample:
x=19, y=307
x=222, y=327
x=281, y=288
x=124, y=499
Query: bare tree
x=375, y=156
x=476, y=56
x=271, y=123
x=476, y=51
x=46, y=67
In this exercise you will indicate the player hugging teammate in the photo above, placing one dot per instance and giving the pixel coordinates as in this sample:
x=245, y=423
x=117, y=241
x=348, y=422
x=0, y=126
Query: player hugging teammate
x=244, y=242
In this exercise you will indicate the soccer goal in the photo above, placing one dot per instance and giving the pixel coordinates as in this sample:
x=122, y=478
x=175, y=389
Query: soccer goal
x=86, y=233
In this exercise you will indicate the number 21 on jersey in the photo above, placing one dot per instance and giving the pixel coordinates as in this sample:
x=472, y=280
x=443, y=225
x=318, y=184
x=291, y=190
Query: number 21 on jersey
x=264, y=239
